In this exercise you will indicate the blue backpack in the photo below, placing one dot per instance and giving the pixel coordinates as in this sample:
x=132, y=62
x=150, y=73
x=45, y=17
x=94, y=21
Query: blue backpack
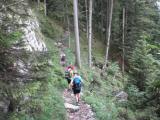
x=77, y=83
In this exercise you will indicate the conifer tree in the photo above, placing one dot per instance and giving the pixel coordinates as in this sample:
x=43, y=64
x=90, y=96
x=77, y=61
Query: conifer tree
x=76, y=28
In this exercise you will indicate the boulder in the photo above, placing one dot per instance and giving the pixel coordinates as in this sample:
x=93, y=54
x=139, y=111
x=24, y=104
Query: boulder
x=50, y=63
x=122, y=96
x=71, y=108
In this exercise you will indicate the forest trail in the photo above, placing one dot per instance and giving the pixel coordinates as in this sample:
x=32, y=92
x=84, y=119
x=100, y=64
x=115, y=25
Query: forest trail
x=84, y=112
x=81, y=112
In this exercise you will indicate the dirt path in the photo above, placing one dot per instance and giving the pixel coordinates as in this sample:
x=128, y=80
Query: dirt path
x=84, y=112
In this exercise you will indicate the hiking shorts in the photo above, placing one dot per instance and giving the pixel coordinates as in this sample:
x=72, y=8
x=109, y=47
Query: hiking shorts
x=68, y=80
x=76, y=91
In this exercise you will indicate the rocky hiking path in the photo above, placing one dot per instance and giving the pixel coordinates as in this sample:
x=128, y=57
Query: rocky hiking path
x=81, y=112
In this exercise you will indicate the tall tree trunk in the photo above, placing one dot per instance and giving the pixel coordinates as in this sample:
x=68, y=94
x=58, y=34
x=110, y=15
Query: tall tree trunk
x=38, y=2
x=86, y=6
x=78, y=60
x=102, y=20
x=68, y=24
x=109, y=33
x=64, y=13
x=90, y=34
x=123, y=38
x=107, y=19
x=45, y=8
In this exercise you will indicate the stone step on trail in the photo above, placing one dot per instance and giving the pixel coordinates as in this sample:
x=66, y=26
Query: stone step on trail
x=71, y=108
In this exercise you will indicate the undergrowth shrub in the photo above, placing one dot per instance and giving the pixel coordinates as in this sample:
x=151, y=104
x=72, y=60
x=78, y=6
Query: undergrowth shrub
x=41, y=99
x=136, y=98
x=7, y=39
x=100, y=91
x=49, y=27
x=104, y=107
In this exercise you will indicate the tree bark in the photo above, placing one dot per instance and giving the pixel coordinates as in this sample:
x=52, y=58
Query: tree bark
x=45, y=8
x=38, y=2
x=109, y=33
x=86, y=6
x=78, y=60
x=90, y=34
x=68, y=25
x=123, y=39
x=102, y=20
x=107, y=19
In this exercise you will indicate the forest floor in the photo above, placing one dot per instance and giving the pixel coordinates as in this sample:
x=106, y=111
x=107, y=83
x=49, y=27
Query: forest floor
x=83, y=113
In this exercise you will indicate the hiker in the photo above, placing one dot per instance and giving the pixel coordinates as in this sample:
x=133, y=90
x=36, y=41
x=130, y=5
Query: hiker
x=76, y=85
x=71, y=66
x=63, y=59
x=69, y=75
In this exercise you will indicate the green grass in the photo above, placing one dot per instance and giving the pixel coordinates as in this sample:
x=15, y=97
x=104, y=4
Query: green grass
x=100, y=94
x=53, y=32
x=99, y=91
x=49, y=27
x=98, y=48
x=6, y=40
x=47, y=102
x=104, y=108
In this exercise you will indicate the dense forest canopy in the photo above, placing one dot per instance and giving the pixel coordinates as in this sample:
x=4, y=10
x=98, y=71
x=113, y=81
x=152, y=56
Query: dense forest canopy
x=114, y=43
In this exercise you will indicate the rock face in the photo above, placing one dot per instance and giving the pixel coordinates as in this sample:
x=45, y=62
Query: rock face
x=16, y=15
x=4, y=106
x=19, y=17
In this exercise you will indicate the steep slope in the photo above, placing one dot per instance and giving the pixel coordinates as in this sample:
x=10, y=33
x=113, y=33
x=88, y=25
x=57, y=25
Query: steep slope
x=19, y=18
x=29, y=70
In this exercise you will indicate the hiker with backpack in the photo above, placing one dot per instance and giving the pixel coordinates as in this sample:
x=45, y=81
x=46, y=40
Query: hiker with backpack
x=62, y=59
x=76, y=85
x=69, y=75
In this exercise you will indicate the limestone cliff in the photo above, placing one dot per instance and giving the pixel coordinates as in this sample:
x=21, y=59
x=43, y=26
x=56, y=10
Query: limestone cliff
x=17, y=63
x=16, y=15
